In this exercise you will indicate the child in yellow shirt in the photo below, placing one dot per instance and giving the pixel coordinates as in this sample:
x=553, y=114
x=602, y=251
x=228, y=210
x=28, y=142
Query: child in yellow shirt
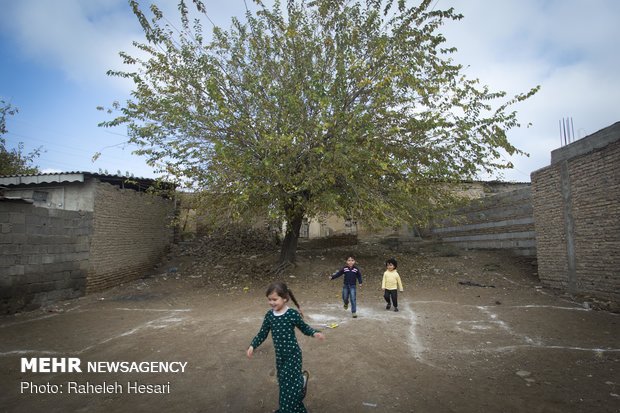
x=391, y=284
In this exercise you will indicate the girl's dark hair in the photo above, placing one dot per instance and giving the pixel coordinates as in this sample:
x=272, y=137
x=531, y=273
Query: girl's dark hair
x=282, y=290
x=391, y=261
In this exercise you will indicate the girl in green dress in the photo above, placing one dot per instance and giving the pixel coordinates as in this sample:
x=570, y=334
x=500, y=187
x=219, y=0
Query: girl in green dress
x=281, y=321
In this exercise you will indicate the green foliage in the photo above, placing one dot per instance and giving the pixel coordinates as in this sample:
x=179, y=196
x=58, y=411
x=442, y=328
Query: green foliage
x=323, y=106
x=14, y=161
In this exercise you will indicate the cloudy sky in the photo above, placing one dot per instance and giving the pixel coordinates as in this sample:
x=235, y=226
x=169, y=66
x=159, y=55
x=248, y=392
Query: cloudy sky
x=55, y=55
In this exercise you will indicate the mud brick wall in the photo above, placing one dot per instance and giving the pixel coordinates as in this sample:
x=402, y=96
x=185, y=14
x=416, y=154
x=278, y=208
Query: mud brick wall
x=549, y=222
x=328, y=242
x=577, y=214
x=131, y=233
x=43, y=255
x=502, y=221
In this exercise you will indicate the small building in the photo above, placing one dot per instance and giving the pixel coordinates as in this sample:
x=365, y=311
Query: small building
x=69, y=234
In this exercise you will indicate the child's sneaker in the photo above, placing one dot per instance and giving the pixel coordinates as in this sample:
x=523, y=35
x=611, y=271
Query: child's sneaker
x=396, y=309
x=387, y=307
x=346, y=306
x=306, y=376
x=354, y=315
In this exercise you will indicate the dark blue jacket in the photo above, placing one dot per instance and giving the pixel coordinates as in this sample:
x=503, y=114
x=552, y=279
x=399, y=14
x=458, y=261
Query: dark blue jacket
x=350, y=275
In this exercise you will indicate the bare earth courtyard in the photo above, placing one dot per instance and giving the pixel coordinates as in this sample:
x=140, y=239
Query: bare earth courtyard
x=475, y=333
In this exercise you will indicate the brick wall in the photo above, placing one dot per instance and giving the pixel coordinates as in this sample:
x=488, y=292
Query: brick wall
x=131, y=232
x=577, y=213
x=501, y=221
x=549, y=224
x=43, y=255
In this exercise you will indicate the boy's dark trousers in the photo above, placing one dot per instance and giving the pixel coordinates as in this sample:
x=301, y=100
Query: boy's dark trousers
x=393, y=294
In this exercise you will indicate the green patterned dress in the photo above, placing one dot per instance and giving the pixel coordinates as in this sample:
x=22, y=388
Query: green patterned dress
x=288, y=355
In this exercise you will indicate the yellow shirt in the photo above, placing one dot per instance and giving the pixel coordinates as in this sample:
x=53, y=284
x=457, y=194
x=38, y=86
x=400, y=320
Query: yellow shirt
x=391, y=280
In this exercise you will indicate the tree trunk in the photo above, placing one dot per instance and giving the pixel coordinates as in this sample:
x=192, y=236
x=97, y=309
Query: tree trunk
x=288, y=253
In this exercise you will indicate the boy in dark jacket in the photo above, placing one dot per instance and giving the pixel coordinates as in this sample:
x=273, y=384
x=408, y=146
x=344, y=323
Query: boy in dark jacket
x=352, y=275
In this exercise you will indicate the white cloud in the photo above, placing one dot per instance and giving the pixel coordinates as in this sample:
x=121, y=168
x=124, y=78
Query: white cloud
x=51, y=171
x=568, y=47
x=80, y=38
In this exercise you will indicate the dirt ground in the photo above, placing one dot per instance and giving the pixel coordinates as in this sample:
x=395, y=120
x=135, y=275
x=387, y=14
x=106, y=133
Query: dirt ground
x=499, y=344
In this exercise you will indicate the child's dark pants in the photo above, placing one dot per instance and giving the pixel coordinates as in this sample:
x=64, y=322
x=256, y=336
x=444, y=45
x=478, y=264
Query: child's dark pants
x=393, y=295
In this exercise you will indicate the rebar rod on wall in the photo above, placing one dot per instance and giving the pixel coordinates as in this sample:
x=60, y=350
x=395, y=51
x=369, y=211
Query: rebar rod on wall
x=567, y=131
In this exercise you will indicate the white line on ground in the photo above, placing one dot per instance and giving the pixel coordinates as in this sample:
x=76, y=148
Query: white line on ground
x=415, y=345
x=163, y=323
x=15, y=323
x=535, y=346
x=21, y=352
x=30, y=320
x=164, y=310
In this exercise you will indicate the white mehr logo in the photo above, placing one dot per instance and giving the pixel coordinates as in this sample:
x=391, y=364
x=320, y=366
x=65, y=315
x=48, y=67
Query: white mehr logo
x=51, y=365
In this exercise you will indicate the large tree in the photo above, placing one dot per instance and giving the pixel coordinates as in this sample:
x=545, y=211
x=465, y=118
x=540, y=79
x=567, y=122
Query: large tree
x=326, y=106
x=14, y=161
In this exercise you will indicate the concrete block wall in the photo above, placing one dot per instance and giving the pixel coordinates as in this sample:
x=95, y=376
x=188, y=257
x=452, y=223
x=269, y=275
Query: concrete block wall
x=501, y=221
x=577, y=213
x=131, y=232
x=43, y=255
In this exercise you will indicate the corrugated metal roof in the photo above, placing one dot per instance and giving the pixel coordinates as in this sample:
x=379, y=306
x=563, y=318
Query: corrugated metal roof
x=42, y=178
x=68, y=173
x=139, y=184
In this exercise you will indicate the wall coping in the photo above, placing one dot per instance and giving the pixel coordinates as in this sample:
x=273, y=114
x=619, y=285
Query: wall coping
x=587, y=144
